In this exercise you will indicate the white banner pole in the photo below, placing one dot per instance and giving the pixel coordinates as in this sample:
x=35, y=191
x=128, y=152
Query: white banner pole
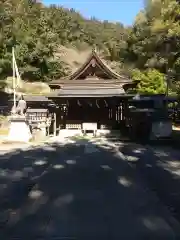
x=14, y=77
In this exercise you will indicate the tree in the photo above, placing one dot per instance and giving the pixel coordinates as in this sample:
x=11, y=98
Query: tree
x=150, y=81
x=25, y=26
x=154, y=40
x=36, y=31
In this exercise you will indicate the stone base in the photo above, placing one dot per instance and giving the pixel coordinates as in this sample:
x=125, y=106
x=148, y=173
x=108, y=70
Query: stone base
x=99, y=133
x=19, y=130
x=161, y=130
x=39, y=134
x=107, y=133
x=70, y=132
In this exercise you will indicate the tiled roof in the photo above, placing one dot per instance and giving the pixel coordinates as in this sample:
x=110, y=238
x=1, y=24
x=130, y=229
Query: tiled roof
x=101, y=92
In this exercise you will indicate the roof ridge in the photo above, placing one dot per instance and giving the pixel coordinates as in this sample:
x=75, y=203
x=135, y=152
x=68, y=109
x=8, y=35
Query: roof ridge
x=108, y=67
x=94, y=53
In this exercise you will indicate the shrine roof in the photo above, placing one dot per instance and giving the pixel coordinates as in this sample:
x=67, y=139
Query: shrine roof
x=84, y=92
x=89, y=81
x=39, y=110
x=35, y=98
x=93, y=70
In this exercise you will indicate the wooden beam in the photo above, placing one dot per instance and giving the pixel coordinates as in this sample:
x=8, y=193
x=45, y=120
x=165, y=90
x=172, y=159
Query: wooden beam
x=90, y=103
x=79, y=103
x=106, y=103
x=67, y=103
x=97, y=105
x=54, y=125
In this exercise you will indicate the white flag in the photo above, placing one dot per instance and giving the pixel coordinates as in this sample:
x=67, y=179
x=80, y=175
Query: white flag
x=16, y=76
x=13, y=66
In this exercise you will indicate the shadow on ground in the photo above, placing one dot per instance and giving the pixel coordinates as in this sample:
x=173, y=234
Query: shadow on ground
x=160, y=168
x=77, y=191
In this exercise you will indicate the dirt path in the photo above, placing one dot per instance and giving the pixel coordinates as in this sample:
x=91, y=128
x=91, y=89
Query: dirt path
x=89, y=192
x=160, y=168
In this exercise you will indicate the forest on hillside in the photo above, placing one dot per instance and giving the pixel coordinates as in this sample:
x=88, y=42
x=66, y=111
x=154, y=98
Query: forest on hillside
x=148, y=51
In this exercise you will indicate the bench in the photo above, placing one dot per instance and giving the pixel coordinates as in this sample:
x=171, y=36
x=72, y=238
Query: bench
x=73, y=124
x=88, y=126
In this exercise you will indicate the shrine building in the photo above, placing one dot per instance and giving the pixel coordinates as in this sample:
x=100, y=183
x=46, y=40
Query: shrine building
x=93, y=97
x=96, y=99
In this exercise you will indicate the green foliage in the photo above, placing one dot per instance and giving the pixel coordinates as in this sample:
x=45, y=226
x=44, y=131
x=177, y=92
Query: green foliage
x=150, y=81
x=24, y=25
x=35, y=88
x=36, y=31
x=154, y=40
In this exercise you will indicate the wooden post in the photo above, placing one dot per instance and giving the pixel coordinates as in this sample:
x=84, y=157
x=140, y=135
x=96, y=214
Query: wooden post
x=54, y=124
x=121, y=111
x=48, y=130
x=14, y=80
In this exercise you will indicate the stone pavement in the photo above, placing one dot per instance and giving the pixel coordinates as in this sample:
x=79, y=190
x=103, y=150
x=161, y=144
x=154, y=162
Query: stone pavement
x=89, y=191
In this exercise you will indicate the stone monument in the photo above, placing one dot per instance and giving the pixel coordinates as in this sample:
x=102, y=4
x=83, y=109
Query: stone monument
x=19, y=129
x=161, y=129
x=161, y=123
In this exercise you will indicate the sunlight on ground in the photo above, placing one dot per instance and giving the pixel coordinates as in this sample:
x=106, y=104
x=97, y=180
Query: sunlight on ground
x=106, y=167
x=148, y=165
x=71, y=161
x=90, y=148
x=171, y=169
x=176, y=128
x=40, y=162
x=34, y=194
x=49, y=148
x=174, y=164
x=58, y=166
x=106, y=146
x=137, y=151
x=10, y=174
x=155, y=223
x=66, y=199
x=119, y=154
x=132, y=158
x=161, y=154
x=54, y=199
x=124, y=181
x=167, y=162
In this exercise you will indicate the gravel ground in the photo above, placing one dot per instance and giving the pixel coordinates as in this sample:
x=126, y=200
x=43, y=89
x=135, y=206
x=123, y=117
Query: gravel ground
x=160, y=168
x=86, y=190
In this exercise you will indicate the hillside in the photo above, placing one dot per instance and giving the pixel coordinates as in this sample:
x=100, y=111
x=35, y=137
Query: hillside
x=50, y=42
x=74, y=58
x=70, y=56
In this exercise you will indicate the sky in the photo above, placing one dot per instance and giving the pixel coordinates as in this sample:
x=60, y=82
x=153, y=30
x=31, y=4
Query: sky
x=123, y=11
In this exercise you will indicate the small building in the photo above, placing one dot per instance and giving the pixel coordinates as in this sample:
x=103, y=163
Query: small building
x=150, y=117
x=94, y=97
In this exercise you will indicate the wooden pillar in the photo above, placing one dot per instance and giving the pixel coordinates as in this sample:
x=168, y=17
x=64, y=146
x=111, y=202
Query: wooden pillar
x=48, y=130
x=54, y=125
x=118, y=112
x=121, y=111
x=65, y=111
x=124, y=110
